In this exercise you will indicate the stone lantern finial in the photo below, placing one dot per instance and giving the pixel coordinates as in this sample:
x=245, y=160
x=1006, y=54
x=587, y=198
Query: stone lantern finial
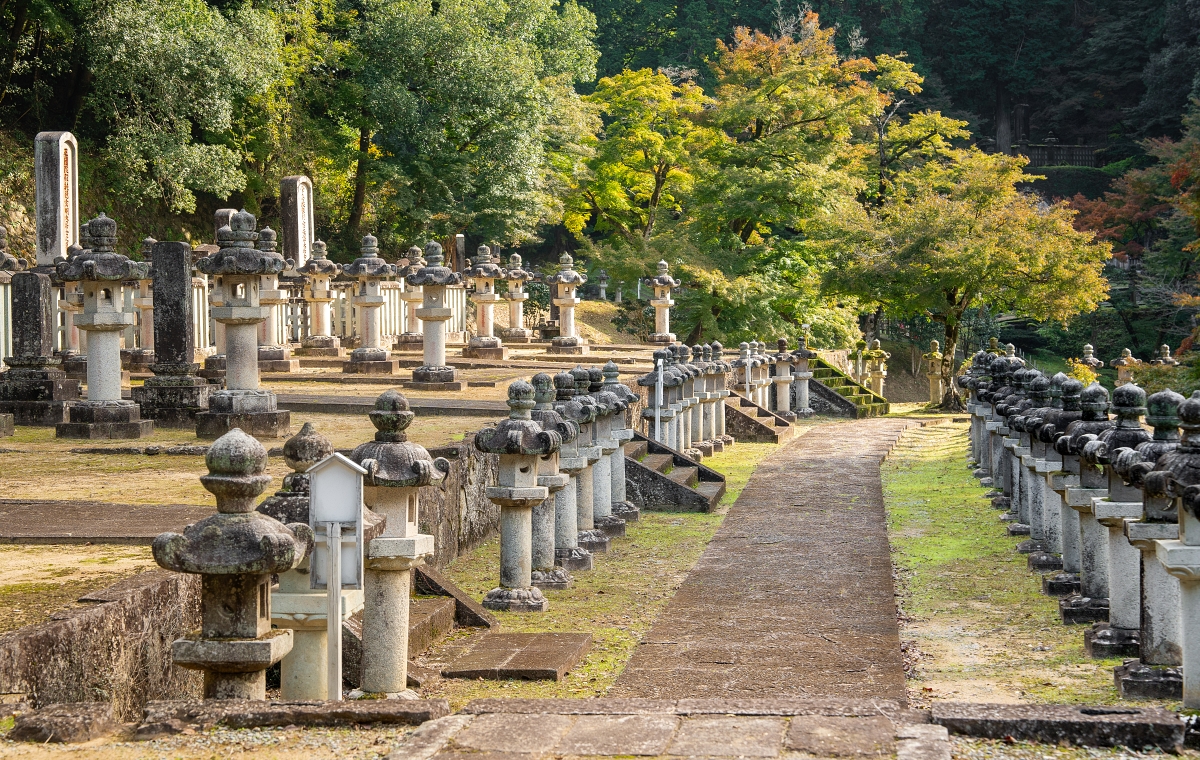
x=1164, y=357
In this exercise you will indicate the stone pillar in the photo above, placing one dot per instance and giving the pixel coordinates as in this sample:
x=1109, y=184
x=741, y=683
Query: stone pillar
x=371, y=357
x=175, y=395
x=662, y=283
x=273, y=355
x=484, y=272
x=568, y=554
x=934, y=361
x=564, y=285
x=547, y=573
x=296, y=207
x=590, y=538
x=142, y=357
x=516, y=278
x=878, y=367
x=519, y=441
x=801, y=358
x=103, y=272
x=243, y=403
x=612, y=410
x=1125, y=365
x=705, y=386
x=622, y=434
x=34, y=390
x=319, y=272
x=235, y=552
x=1051, y=422
x=434, y=279
x=396, y=470
x=56, y=173
x=783, y=382
x=411, y=339
x=653, y=403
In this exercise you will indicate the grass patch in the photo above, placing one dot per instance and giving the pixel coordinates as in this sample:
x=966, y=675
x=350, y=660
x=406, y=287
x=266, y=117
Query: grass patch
x=977, y=615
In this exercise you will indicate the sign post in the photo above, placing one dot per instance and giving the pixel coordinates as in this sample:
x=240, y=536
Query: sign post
x=336, y=516
x=658, y=400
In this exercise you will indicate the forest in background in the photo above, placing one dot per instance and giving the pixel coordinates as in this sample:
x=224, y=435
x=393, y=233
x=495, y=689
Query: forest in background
x=628, y=130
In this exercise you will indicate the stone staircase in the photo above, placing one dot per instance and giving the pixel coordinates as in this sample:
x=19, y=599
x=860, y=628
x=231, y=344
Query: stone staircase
x=747, y=421
x=842, y=394
x=661, y=479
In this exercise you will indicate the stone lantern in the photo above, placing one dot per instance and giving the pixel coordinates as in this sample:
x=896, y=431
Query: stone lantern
x=102, y=272
x=564, y=284
x=783, y=381
x=143, y=356
x=484, y=273
x=516, y=332
x=803, y=373
x=396, y=470
x=371, y=357
x=411, y=339
x=1181, y=556
x=612, y=410
x=433, y=279
x=588, y=446
x=934, y=361
x=1164, y=358
x=662, y=283
x=274, y=355
x=1125, y=365
x=319, y=272
x=243, y=403
x=520, y=442
x=602, y=282
x=1089, y=357
x=568, y=554
x=236, y=551
x=877, y=365
x=622, y=434
x=545, y=515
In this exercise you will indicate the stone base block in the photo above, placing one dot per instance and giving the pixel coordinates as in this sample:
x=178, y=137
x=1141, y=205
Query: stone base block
x=626, y=511
x=427, y=374
x=611, y=526
x=573, y=559
x=278, y=365
x=1031, y=545
x=525, y=656
x=1102, y=640
x=277, y=424
x=557, y=578
x=67, y=723
x=1044, y=562
x=516, y=339
x=693, y=454
x=139, y=360
x=516, y=600
x=1021, y=529
x=594, y=541
x=985, y=482
x=1136, y=680
x=1061, y=584
x=36, y=413
x=1081, y=610
x=173, y=401
x=728, y=440
x=717, y=445
x=389, y=367
x=105, y=420
x=574, y=350
x=661, y=339
x=1002, y=502
x=410, y=341
x=497, y=353
x=456, y=386
x=7, y=425
x=75, y=366
x=981, y=473
x=335, y=353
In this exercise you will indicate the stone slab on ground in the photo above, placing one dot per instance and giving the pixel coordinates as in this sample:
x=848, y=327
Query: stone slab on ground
x=331, y=404
x=531, y=656
x=793, y=596
x=169, y=717
x=30, y=521
x=1133, y=727
x=467, y=611
x=778, y=706
x=79, y=722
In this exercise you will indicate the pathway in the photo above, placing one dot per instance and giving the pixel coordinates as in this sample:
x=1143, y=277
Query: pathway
x=31, y=521
x=794, y=596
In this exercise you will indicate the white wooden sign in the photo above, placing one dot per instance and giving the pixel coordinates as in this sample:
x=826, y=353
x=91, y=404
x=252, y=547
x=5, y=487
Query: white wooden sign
x=336, y=496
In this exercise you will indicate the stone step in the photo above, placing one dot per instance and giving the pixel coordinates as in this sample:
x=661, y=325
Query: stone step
x=711, y=491
x=636, y=450
x=658, y=462
x=429, y=620
x=684, y=476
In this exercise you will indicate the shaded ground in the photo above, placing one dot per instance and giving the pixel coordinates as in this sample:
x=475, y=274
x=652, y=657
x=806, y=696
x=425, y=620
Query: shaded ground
x=980, y=628
x=617, y=602
x=794, y=595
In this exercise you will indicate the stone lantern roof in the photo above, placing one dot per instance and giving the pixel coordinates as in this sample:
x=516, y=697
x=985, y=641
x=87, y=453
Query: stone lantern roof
x=544, y=412
x=434, y=273
x=566, y=274
x=237, y=254
x=1178, y=469
x=415, y=262
x=101, y=262
x=602, y=277
x=369, y=265
x=519, y=434
x=1128, y=404
x=613, y=384
x=718, y=356
x=1163, y=415
x=391, y=460
x=1164, y=357
x=1126, y=359
x=515, y=272
x=300, y=452
x=783, y=355
x=485, y=265
x=662, y=279
x=237, y=540
x=8, y=262
x=802, y=350
x=568, y=405
x=320, y=264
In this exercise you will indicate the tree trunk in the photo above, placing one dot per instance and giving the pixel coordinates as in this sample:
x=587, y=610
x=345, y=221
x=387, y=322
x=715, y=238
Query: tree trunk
x=1004, y=136
x=951, y=401
x=354, y=224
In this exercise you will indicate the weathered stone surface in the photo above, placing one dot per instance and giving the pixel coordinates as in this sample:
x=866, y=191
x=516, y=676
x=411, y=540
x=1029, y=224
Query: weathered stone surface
x=532, y=656
x=1134, y=727
x=728, y=736
x=76, y=722
x=430, y=737
x=170, y=717
x=836, y=736
x=34, y=389
x=467, y=611
x=7, y=425
x=523, y=733
x=619, y=735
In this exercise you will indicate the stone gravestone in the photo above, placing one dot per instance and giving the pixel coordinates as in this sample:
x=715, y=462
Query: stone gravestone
x=34, y=390
x=56, y=169
x=296, y=200
x=175, y=395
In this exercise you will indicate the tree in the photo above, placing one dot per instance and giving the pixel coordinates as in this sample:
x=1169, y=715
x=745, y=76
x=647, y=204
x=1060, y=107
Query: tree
x=957, y=234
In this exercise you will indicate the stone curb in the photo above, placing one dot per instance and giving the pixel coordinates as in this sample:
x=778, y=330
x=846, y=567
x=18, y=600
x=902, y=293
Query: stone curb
x=1132, y=727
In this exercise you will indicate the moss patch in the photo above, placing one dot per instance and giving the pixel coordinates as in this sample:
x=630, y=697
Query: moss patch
x=976, y=614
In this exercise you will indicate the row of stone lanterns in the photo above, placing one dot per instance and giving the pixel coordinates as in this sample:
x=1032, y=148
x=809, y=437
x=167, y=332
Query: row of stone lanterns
x=686, y=399
x=1107, y=508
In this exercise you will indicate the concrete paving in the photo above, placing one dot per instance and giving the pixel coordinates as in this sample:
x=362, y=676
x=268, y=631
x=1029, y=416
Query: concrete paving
x=794, y=595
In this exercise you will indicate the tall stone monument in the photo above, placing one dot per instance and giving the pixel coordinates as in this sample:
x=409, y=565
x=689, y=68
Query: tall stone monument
x=296, y=203
x=56, y=172
x=411, y=339
x=662, y=283
x=35, y=390
x=484, y=272
x=433, y=279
